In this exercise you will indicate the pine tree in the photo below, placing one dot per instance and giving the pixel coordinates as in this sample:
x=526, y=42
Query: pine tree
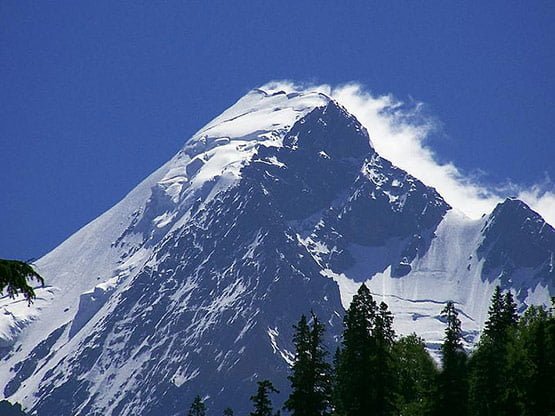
x=531, y=364
x=15, y=276
x=452, y=381
x=198, y=408
x=550, y=356
x=336, y=382
x=261, y=400
x=228, y=411
x=364, y=382
x=311, y=374
x=384, y=326
x=354, y=393
x=509, y=313
x=488, y=364
x=8, y=409
x=495, y=322
x=384, y=376
x=453, y=332
x=416, y=373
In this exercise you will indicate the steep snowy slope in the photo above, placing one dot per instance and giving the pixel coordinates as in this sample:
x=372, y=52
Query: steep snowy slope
x=278, y=206
x=101, y=250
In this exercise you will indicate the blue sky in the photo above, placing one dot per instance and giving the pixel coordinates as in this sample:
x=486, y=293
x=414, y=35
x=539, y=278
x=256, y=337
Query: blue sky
x=96, y=95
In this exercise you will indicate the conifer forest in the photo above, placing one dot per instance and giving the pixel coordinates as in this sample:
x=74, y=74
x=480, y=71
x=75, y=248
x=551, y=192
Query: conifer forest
x=511, y=371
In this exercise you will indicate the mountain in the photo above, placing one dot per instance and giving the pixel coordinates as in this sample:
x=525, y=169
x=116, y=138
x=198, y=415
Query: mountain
x=279, y=206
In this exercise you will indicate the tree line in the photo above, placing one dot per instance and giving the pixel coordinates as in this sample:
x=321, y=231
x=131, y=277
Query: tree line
x=374, y=372
x=510, y=372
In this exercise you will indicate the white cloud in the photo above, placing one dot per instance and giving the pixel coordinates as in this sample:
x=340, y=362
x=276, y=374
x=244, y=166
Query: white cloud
x=541, y=200
x=399, y=133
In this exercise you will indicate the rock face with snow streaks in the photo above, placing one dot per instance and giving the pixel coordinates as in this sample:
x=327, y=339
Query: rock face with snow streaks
x=517, y=238
x=279, y=206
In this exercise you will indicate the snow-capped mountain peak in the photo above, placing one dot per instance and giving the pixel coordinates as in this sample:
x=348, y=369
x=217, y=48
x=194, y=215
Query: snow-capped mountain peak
x=278, y=206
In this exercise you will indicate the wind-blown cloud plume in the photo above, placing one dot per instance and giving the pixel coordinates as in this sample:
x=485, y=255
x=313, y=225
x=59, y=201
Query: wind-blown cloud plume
x=399, y=133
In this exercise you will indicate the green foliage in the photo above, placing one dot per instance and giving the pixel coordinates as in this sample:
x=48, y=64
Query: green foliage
x=495, y=322
x=488, y=364
x=364, y=382
x=511, y=372
x=261, y=400
x=198, y=408
x=311, y=374
x=530, y=375
x=509, y=313
x=383, y=363
x=14, y=275
x=354, y=374
x=452, y=382
x=8, y=409
x=416, y=373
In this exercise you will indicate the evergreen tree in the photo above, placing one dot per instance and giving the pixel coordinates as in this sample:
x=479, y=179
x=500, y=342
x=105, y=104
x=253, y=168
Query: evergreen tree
x=364, y=383
x=384, y=326
x=510, y=313
x=228, y=411
x=452, y=381
x=550, y=358
x=8, y=409
x=495, y=322
x=488, y=364
x=14, y=277
x=261, y=400
x=416, y=373
x=336, y=382
x=311, y=374
x=198, y=408
x=531, y=370
x=354, y=393
x=383, y=366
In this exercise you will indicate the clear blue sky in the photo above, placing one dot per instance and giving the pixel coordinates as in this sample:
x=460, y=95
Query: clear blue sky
x=96, y=95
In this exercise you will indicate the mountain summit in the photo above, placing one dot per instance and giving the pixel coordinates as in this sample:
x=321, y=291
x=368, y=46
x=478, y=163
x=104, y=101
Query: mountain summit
x=279, y=206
